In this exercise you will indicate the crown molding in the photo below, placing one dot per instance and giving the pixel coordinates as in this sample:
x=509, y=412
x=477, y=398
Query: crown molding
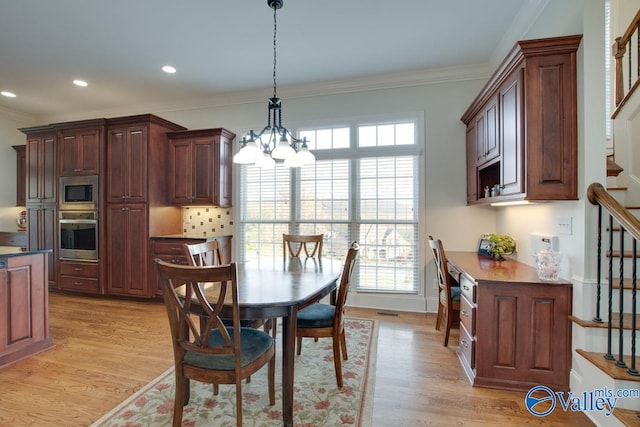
x=361, y=84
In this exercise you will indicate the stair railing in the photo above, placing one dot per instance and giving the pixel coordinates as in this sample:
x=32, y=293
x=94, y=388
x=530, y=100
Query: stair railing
x=628, y=224
x=626, y=51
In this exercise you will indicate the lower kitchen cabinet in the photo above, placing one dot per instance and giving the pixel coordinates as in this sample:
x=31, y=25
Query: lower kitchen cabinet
x=42, y=233
x=79, y=277
x=127, y=250
x=171, y=249
x=514, y=329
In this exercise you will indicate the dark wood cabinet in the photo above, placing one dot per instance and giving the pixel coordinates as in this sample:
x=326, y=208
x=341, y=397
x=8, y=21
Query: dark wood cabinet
x=127, y=164
x=42, y=233
x=127, y=250
x=200, y=167
x=170, y=249
x=42, y=175
x=79, y=276
x=137, y=205
x=529, y=106
x=81, y=150
x=514, y=329
x=21, y=174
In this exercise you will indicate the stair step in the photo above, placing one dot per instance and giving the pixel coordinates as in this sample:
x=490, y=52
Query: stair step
x=609, y=367
x=628, y=417
x=591, y=324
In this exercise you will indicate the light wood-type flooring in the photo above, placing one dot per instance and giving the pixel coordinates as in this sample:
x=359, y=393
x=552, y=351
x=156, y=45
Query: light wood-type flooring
x=106, y=349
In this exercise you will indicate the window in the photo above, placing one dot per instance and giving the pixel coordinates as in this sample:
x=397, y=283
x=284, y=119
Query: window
x=363, y=186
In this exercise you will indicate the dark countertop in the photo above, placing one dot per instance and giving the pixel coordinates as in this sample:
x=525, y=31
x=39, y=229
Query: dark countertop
x=189, y=236
x=11, y=251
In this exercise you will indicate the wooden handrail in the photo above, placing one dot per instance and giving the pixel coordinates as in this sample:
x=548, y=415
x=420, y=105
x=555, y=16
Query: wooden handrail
x=619, y=49
x=597, y=195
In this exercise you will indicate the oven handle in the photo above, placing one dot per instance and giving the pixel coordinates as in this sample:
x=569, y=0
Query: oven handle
x=78, y=221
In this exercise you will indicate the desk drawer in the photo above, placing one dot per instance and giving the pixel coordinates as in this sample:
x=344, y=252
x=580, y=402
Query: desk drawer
x=468, y=288
x=468, y=315
x=468, y=347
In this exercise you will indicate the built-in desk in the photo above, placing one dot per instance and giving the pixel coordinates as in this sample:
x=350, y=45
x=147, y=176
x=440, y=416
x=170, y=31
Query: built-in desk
x=514, y=328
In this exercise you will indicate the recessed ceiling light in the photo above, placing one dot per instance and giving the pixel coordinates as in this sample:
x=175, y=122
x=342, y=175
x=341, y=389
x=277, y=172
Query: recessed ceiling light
x=169, y=69
x=8, y=94
x=81, y=83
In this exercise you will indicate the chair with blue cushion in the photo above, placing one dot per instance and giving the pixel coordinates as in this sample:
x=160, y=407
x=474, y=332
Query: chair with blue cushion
x=211, y=352
x=327, y=320
x=449, y=289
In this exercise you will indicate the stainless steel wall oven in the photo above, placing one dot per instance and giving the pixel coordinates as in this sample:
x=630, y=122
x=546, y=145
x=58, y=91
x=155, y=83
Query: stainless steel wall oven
x=79, y=235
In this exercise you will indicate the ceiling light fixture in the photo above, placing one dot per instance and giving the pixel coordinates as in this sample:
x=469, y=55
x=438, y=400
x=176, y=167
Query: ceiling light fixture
x=80, y=83
x=169, y=69
x=8, y=94
x=274, y=141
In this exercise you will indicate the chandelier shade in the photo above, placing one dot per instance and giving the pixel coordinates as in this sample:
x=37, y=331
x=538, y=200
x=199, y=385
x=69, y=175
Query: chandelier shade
x=274, y=142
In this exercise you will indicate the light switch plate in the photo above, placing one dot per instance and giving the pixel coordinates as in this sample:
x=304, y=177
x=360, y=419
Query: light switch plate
x=565, y=225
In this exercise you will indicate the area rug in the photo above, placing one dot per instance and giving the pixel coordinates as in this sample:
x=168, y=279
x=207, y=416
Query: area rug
x=317, y=399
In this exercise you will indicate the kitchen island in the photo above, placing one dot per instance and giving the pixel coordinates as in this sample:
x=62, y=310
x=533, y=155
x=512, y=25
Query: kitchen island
x=24, y=304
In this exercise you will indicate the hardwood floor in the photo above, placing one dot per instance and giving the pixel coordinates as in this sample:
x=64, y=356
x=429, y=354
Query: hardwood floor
x=106, y=349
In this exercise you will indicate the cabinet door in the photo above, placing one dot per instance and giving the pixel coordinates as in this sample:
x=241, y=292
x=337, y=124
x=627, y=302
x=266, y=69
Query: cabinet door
x=205, y=171
x=21, y=174
x=42, y=182
x=512, y=172
x=127, y=250
x=181, y=181
x=127, y=165
x=472, y=178
x=80, y=152
x=42, y=233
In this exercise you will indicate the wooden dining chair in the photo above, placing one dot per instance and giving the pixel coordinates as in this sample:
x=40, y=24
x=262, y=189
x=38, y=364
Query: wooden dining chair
x=205, y=253
x=293, y=244
x=213, y=353
x=327, y=320
x=448, y=289
x=210, y=253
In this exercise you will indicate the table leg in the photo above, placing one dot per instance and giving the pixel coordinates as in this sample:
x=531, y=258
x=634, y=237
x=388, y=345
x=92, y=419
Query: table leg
x=288, y=361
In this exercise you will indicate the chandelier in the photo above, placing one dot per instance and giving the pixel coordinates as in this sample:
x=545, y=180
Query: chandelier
x=274, y=141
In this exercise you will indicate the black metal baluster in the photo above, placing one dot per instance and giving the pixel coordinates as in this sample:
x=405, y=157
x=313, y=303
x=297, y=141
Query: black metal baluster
x=620, y=362
x=608, y=355
x=599, y=267
x=632, y=370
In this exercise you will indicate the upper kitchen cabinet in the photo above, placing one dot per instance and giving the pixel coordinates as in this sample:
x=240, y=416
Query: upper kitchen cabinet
x=21, y=174
x=200, y=167
x=135, y=149
x=81, y=149
x=42, y=176
x=530, y=107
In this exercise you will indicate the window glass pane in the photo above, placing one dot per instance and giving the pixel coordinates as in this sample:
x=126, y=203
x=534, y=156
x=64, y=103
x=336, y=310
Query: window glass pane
x=370, y=199
x=326, y=139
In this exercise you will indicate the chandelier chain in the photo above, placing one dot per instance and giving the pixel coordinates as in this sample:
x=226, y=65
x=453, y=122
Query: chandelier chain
x=275, y=31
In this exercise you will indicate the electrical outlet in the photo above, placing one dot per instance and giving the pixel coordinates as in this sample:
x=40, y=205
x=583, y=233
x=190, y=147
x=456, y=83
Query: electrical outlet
x=542, y=241
x=565, y=225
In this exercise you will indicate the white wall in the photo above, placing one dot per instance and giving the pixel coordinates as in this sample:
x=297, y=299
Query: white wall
x=10, y=135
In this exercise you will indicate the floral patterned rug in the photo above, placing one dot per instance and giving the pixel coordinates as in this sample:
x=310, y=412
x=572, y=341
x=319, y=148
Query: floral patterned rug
x=317, y=399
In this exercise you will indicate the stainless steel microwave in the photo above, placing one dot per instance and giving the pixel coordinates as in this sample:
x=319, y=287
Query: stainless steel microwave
x=79, y=193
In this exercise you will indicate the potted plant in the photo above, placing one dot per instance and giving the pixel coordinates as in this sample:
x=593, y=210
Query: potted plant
x=500, y=245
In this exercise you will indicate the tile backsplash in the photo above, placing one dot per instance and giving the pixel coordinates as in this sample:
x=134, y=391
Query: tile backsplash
x=207, y=221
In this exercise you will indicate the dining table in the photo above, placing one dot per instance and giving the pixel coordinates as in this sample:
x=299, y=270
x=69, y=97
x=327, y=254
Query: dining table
x=270, y=288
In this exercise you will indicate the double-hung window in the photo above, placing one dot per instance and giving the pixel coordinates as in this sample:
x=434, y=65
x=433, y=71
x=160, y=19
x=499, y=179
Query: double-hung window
x=363, y=187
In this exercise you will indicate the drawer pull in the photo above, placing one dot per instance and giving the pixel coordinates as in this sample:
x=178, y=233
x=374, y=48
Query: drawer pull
x=464, y=343
x=77, y=269
x=77, y=283
x=176, y=249
x=464, y=313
